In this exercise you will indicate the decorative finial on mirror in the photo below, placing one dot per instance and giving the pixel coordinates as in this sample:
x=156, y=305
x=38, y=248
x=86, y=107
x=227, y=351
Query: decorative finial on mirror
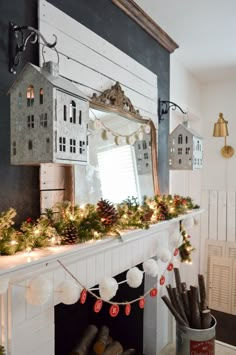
x=116, y=99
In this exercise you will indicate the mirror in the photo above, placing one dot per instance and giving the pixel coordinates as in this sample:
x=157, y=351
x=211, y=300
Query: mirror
x=122, y=152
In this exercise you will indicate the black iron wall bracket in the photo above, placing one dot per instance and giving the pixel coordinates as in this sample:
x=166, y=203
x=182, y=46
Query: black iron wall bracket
x=164, y=107
x=19, y=37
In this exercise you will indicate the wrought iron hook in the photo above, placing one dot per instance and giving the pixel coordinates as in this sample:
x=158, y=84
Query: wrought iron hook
x=18, y=41
x=164, y=107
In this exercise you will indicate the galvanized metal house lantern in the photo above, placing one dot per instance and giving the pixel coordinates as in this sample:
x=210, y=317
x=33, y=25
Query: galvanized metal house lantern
x=185, y=149
x=49, y=117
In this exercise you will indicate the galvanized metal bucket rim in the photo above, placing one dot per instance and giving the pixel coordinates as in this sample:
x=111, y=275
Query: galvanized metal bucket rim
x=185, y=329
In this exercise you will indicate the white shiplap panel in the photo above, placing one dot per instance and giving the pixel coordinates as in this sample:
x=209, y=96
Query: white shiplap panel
x=58, y=19
x=221, y=213
x=115, y=264
x=84, y=75
x=73, y=49
x=213, y=217
x=231, y=216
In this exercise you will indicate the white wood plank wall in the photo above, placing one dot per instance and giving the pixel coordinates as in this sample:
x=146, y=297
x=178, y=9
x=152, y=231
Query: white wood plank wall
x=93, y=64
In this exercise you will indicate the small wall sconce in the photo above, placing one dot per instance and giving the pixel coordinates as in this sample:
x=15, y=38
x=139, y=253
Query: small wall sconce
x=164, y=107
x=221, y=130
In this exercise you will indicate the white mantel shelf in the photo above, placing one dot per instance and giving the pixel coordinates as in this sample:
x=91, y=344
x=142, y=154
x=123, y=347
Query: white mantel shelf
x=22, y=263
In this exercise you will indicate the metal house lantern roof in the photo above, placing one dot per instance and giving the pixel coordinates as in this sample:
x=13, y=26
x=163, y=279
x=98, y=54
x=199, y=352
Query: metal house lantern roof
x=189, y=130
x=56, y=81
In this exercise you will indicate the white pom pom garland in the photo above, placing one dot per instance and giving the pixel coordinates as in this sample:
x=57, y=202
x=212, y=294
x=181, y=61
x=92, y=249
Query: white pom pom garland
x=176, y=237
x=150, y=267
x=39, y=290
x=164, y=254
x=188, y=222
x=108, y=288
x=69, y=292
x=134, y=277
x=4, y=282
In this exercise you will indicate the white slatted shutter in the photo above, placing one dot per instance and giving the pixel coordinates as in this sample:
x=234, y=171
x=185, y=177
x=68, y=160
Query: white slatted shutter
x=220, y=284
x=213, y=248
x=231, y=250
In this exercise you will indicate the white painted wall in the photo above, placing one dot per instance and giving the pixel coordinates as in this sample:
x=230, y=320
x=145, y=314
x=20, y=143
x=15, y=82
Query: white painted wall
x=185, y=91
x=218, y=172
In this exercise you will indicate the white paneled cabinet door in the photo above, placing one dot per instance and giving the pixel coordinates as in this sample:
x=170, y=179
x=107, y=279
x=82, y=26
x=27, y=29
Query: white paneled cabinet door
x=220, y=284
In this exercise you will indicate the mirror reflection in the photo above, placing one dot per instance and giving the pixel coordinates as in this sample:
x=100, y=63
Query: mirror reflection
x=119, y=160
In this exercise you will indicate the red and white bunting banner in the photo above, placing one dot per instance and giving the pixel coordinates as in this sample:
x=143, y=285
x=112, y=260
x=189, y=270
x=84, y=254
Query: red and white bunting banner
x=127, y=309
x=83, y=296
x=114, y=310
x=97, y=306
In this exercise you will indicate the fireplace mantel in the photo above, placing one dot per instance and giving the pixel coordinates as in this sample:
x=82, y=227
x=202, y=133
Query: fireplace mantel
x=22, y=263
x=27, y=329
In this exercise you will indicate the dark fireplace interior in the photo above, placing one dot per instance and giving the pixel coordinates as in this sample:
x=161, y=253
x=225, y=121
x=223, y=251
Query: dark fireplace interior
x=72, y=320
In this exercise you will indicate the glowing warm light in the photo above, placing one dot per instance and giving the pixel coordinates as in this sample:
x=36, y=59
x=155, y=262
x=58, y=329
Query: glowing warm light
x=82, y=207
x=72, y=217
x=125, y=216
x=172, y=209
x=36, y=232
x=13, y=242
x=53, y=240
x=96, y=234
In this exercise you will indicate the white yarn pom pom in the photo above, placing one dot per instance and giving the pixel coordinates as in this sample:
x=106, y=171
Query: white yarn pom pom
x=150, y=267
x=69, y=292
x=108, y=288
x=38, y=291
x=163, y=254
x=176, y=237
x=188, y=222
x=134, y=277
x=4, y=281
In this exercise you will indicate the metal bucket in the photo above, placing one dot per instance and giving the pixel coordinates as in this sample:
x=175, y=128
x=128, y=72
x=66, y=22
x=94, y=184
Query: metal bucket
x=195, y=341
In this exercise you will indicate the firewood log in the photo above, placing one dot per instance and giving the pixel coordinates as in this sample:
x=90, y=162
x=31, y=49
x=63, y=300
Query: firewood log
x=202, y=291
x=184, y=286
x=194, y=306
x=113, y=349
x=180, y=306
x=82, y=348
x=174, y=312
x=206, y=319
x=102, y=340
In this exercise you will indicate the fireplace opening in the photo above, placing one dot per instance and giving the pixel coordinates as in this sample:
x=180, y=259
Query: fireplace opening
x=71, y=321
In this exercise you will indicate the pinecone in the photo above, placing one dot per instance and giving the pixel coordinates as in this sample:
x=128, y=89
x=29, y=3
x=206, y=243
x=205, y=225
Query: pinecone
x=69, y=234
x=107, y=212
x=163, y=210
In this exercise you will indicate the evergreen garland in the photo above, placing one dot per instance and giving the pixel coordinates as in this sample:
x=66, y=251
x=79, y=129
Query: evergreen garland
x=2, y=350
x=67, y=224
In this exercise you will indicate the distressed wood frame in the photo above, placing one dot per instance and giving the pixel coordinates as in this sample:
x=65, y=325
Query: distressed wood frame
x=146, y=22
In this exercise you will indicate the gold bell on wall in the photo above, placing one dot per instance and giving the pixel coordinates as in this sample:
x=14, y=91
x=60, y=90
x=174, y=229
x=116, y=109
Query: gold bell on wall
x=221, y=130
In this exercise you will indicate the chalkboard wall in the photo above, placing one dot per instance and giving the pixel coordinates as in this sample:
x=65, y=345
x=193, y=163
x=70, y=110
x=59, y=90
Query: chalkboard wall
x=20, y=185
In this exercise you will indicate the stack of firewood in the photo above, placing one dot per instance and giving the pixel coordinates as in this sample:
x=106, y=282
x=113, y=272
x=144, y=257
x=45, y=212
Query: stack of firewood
x=188, y=306
x=97, y=342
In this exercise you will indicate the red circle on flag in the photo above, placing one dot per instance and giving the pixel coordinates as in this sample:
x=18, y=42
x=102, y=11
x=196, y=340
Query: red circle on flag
x=141, y=303
x=153, y=292
x=97, y=306
x=162, y=280
x=127, y=309
x=83, y=296
x=114, y=310
x=170, y=267
x=176, y=252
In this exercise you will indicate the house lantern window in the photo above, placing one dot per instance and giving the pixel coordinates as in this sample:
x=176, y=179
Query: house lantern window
x=186, y=139
x=180, y=139
x=20, y=100
x=30, y=121
x=30, y=96
x=41, y=96
x=65, y=112
x=72, y=112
